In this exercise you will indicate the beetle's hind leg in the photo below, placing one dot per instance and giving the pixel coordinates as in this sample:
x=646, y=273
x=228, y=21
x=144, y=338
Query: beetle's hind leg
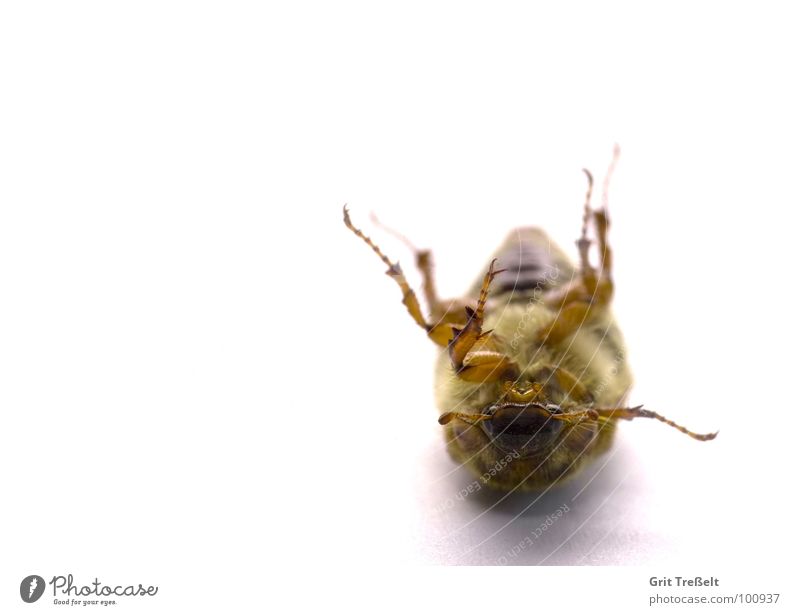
x=474, y=354
x=604, y=284
x=594, y=287
x=424, y=262
x=440, y=331
x=595, y=284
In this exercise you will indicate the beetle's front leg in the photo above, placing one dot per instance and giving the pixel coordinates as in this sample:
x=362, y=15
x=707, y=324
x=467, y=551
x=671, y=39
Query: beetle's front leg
x=475, y=355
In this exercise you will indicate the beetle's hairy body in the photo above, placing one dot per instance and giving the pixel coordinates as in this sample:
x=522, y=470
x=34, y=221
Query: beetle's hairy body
x=534, y=375
x=594, y=354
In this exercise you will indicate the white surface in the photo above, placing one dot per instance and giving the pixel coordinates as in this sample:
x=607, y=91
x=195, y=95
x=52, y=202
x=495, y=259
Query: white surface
x=206, y=377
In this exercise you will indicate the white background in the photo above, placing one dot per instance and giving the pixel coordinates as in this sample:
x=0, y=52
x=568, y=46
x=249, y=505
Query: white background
x=208, y=384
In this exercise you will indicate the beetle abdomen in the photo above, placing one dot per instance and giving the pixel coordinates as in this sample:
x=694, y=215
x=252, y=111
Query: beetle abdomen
x=531, y=262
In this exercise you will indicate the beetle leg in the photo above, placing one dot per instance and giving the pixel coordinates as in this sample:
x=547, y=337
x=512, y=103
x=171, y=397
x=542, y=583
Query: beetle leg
x=476, y=355
x=593, y=288
x=440, y=331
x=443, y=313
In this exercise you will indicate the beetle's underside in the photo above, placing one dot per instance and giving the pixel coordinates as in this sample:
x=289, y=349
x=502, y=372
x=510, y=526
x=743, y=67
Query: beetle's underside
x=535, y=376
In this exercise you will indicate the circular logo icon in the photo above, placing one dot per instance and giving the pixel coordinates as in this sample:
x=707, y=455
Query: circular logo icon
x=31, y=588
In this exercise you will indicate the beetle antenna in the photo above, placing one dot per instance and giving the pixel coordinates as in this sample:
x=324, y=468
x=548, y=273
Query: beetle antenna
x=629, y=414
